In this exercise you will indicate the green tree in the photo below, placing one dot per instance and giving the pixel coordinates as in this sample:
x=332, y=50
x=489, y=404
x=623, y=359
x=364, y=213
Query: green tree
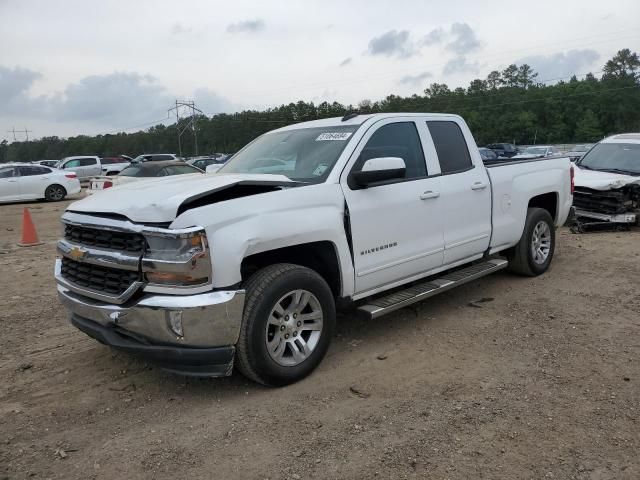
x=525, y=76
x=510, y=76
x=624, y=64
x=506, y=106
x=494, y=80
x=588, y=129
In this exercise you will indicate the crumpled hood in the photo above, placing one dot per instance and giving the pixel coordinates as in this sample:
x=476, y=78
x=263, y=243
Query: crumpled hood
x=157, y=200
x=602, y=180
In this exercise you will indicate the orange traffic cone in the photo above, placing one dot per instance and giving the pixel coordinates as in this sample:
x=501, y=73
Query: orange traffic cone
x=29, y=234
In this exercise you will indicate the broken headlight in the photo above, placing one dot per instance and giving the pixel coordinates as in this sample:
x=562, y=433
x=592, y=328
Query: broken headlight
x=181, y=260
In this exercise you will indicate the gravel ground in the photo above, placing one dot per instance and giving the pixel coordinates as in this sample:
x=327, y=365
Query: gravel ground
x=505, y=377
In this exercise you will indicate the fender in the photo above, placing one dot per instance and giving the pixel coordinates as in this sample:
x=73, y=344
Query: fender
x=267, y=221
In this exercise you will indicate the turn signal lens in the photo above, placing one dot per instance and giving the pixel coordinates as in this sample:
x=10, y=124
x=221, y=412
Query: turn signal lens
x=166, y=278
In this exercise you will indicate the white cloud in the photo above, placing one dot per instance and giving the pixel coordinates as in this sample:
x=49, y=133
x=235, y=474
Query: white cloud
x=464, y=40
x=178, y=29
x=113, y=100
x=561, y=65
x=414, y=80
x=458, y=65
x=392, y=44
x=246, y=26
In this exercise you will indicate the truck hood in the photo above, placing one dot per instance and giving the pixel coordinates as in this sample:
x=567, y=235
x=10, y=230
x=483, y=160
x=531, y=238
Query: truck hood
x=596, y=180
x=159, y=200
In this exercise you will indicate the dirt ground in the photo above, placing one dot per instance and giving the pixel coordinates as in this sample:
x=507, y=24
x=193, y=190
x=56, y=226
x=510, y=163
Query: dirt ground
x=506, y=377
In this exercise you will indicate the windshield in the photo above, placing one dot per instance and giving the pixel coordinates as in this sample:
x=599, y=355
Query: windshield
x=535, y=150
x=624, y=157
x=305, y=155
x=580, y=148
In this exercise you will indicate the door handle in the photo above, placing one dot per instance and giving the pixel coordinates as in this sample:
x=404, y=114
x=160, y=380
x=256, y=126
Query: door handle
x=13, y=181
x=478, y=186
x=429, y=194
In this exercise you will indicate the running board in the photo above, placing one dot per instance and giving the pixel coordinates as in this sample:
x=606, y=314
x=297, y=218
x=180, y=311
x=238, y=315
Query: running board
x=418, y=292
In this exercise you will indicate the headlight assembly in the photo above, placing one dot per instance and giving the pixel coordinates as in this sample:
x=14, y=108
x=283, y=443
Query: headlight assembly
x=180, y=260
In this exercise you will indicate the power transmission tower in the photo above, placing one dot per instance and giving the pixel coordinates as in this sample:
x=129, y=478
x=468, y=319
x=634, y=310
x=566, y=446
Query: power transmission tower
x=186, y=110
x=26, y=133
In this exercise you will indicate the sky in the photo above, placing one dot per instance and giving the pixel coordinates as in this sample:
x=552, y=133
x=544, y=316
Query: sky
x=94, y=67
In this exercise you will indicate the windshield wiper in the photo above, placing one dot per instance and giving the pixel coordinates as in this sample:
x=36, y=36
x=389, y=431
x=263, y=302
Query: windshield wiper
x=619, y=170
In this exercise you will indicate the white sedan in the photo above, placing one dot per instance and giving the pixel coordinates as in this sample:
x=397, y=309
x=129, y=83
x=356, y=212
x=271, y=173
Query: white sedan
x=141, y=171
x=23, y=181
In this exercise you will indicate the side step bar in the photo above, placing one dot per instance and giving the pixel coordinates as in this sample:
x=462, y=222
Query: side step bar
x=418, y=292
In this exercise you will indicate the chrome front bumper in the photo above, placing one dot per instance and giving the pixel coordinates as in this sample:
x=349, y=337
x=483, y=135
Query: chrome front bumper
x=612, y=218
x=208, y=319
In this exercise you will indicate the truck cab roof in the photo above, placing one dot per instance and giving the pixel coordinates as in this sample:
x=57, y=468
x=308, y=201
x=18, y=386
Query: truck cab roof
x=360, y=119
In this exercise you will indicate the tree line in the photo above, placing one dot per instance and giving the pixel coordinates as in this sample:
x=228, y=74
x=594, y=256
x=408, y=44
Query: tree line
x=508, y=106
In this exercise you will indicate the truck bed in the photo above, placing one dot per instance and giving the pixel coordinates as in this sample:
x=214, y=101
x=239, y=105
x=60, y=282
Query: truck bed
x=513, y=182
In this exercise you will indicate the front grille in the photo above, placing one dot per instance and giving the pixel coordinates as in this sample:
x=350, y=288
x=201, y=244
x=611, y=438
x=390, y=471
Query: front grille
x=110, y=281
x=93, y=237
x=601, y=201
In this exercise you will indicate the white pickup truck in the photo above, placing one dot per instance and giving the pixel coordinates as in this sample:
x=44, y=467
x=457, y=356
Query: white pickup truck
x=248, y=266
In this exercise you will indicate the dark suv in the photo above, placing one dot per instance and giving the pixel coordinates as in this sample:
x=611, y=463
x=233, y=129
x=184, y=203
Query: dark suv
x=506, y=150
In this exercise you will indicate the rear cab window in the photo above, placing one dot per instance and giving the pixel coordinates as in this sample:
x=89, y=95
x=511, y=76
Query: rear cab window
x=451, y=146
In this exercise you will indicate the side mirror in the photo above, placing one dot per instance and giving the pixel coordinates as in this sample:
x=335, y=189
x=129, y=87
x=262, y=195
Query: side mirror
x=376, y=170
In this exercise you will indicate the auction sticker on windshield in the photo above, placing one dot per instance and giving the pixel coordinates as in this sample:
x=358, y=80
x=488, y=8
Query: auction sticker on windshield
x=342, y=136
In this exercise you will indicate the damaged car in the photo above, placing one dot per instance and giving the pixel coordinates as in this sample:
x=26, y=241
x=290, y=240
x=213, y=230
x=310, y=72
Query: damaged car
x=607, y=184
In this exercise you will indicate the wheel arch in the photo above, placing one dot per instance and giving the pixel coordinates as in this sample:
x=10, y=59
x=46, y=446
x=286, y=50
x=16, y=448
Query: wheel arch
x=547, y=201
x=320, y=256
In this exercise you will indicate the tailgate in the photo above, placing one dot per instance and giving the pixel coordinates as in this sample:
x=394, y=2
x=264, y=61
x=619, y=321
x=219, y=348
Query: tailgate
x=98, y=183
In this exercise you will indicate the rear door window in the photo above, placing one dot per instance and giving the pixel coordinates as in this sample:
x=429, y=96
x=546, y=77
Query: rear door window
x=7, y=172
x=451, y=146
x=31, y=171
x=85, y=162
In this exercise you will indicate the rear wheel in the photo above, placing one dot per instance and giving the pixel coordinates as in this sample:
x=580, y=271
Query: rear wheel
x=288, y=322
x=533, y=254
x=55, y=193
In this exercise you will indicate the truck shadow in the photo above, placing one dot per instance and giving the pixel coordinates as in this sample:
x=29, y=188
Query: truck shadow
x=352, y=331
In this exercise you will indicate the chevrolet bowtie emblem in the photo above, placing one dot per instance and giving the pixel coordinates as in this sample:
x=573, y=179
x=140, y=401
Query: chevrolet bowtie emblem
x=77, y=253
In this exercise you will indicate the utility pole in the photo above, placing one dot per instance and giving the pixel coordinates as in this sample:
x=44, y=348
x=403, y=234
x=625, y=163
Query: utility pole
x=13, y=130
x=189, y=114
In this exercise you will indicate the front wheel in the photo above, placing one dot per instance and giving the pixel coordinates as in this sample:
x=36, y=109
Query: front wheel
x=55, y=193
x=533, y=254
x=288, y=322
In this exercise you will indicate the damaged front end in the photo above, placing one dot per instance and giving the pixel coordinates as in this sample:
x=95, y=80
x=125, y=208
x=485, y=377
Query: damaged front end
x=617, y=208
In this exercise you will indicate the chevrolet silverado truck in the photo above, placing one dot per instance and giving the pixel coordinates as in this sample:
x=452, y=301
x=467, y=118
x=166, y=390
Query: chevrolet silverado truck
x=247, y=266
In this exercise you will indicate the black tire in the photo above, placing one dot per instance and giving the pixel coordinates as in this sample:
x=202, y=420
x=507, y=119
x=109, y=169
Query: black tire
x=521, y=257
x=55, y=193
x=263, y=291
